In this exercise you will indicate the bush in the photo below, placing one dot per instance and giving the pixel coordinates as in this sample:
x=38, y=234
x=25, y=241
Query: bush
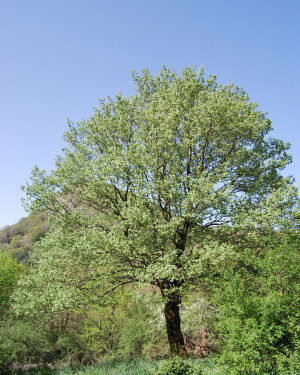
x=26, y=343
x=10, y=273
x=259, y=309
x=23, y=343
x=178, y=366
x=141, y=333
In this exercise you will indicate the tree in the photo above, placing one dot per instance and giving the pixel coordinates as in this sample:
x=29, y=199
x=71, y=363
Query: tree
x=135, y=194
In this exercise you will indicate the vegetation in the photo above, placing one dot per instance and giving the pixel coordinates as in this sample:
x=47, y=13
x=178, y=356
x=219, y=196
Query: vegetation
x=258, y=325
x=170, y=225
x=117, y=367
x=178, y=366
x=19, y=239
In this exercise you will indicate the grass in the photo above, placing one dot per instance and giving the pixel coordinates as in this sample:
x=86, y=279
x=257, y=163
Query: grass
x=114, y=367
x=124, y=367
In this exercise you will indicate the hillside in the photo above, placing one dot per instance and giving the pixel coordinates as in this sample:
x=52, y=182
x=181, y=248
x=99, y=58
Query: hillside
x=18, y=239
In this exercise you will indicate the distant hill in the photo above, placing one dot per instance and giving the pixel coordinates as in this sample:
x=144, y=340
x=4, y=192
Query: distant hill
x=18, y=239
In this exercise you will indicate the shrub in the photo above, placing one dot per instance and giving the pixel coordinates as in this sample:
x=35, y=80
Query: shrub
x=141, y=333
x=23, y=343
x=259, y=309
x=178, y=366
x=10, y=273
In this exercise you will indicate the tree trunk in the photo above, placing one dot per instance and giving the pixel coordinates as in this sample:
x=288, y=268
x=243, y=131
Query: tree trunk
x=172, y=316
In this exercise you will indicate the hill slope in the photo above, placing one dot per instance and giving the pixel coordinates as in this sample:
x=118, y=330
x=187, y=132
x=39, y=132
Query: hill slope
x=19, y=239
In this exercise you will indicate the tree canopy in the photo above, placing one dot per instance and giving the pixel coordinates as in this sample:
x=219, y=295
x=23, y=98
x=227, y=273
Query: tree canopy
x=141, y=184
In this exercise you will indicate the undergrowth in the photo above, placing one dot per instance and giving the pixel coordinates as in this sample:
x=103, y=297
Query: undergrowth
x=134, y=367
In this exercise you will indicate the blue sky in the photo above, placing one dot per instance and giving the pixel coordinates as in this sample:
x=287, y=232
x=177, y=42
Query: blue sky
x=59, y=57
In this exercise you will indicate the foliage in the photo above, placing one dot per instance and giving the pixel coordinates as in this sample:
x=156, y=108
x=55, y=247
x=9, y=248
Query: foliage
x=199, y=317
x=40, y=341
x=101, y=325
x=178, y=366
x=117, y=367
x=22, y=343
x=135, y=193
x=10, y=273
x=19, y=239
x=259, y=305
x=142, y=334
x=112, y=367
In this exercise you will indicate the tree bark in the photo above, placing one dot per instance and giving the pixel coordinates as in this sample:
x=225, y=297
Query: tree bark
x=172, y=316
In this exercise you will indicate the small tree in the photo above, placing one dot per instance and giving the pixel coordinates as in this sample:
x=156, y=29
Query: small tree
x=135, y=194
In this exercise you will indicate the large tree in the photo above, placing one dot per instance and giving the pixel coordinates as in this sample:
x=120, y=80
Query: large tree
x=141, y=184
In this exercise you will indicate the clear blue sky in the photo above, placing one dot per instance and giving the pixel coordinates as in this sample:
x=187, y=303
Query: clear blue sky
x=59, y=56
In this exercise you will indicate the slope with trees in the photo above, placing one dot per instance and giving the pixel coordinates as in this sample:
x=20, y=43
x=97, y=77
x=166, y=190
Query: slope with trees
x=18, y=240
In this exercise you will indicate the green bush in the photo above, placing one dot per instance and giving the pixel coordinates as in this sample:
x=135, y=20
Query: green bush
x=23, y=343
x=10, y=273
x=259, y=309
x=34, y=234
x=20, y=254
x=69, y=349
x=142, y=333
x=178, y=366
x=6, y=359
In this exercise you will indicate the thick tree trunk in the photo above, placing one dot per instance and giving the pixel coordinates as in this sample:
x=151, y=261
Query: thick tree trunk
x=172, y=316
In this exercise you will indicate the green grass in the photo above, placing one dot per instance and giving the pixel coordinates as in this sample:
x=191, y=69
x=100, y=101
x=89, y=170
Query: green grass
x=123, y=367
x=114, y=367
